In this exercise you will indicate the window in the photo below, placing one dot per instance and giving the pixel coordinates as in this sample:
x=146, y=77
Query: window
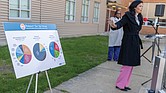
x=19, y=9
x=162, y=22
x=85, y=10
x=70, y=10
x=96, y=12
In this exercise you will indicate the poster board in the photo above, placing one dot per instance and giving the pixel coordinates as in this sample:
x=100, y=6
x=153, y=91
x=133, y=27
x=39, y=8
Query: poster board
x=33, y=47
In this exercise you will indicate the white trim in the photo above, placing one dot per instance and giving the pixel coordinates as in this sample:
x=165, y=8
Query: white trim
x=75, y=12
x=19, y=10
x=98, y=13
x=30, y=8
x=88, y=12
x=69, y=21
x=19, y=18
x=65, y=20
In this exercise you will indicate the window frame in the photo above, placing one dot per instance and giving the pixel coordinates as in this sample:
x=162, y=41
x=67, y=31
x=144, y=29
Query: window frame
x=83, y=21
x=19, y=10
x=98, y=12
x=74, y=14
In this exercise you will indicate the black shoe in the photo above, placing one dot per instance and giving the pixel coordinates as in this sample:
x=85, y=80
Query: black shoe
x=109, y=59
x=121, y=89
x=127, y=88
x=115, y=59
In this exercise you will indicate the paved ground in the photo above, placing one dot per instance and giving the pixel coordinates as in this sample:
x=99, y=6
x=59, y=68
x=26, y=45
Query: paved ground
x=101, y=79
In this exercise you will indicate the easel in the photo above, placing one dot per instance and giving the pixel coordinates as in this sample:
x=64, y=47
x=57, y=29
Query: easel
x=37, y=74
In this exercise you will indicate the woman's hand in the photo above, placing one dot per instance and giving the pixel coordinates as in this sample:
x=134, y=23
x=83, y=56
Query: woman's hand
x=112, y=24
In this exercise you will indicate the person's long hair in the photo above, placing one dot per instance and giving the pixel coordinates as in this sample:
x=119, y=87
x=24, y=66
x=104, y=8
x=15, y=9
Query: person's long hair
x=116, y=12
x=133, y=5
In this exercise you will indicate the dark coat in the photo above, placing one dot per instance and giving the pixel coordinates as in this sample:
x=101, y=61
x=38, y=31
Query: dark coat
x=131, y=42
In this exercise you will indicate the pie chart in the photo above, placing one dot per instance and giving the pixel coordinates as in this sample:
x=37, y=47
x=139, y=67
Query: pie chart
x=23, y=54
x=39, y=51
x=54, y=49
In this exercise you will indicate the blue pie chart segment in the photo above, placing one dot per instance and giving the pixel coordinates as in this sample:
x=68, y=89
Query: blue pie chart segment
x=39, y=52
x=54, y=49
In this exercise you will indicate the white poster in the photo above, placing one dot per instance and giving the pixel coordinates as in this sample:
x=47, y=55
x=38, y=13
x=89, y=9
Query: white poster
x=33, y=47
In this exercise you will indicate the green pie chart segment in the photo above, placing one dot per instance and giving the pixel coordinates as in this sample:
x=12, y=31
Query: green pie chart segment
x=54, y=49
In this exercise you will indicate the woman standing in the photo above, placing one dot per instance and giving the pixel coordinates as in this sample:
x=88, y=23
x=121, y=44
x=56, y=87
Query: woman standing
x=130, y=49
x=115, y=38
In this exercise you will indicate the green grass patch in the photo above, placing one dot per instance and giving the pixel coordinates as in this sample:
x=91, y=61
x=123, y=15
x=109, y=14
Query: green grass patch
x=81, y=54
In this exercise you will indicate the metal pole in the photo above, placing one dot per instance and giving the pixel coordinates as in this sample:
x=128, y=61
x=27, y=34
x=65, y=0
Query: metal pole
x=158, y=45
x=48, y=81
x=157, y=25
x=29, y=84
x=36, y=82
x=153, y=51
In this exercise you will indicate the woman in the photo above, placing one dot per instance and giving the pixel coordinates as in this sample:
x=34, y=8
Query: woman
x=130, y=49
x=115, y=38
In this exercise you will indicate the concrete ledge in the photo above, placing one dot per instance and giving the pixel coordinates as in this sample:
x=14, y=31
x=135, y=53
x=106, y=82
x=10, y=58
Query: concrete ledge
x=3, y=42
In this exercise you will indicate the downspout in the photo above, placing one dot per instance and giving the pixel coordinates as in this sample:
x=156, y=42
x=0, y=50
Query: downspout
x=40, y=11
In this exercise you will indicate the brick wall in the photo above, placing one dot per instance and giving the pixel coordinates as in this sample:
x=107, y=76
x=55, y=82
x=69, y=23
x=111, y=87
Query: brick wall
x=150, y=30
x=154, y=1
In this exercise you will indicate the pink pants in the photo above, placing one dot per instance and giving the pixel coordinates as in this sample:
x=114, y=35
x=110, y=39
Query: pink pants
x=124, y=77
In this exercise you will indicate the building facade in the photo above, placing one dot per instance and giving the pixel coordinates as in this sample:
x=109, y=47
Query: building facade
x=72, y=17
x=149, y=10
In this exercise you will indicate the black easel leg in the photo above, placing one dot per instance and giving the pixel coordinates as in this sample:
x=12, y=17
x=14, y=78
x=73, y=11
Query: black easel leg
x=146, y=82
